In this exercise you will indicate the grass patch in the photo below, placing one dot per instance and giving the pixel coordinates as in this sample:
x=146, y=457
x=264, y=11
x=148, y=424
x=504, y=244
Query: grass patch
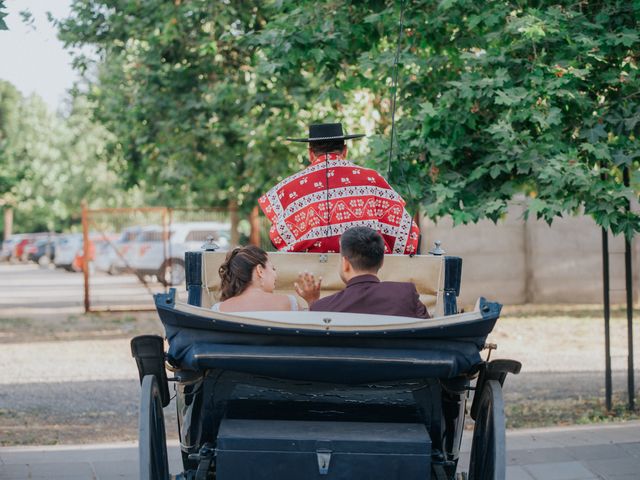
x=67, y=327
x=546, y=413
x=11, y=323
x=573, y=311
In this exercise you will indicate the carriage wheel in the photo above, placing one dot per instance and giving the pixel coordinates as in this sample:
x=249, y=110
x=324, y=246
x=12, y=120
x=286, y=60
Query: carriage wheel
x=152, y=442
x=488, y=452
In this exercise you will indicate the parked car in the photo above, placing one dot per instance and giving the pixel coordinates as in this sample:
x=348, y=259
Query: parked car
x=42, y=251
x=67, y=247
x=148, y=256
x=18, y=247
x=9, y=245
x=70, y=250
x=18, y=251
x=111, y=257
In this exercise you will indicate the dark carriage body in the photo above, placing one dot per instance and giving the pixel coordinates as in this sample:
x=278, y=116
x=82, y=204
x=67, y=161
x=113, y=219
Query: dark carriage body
x=324, y=392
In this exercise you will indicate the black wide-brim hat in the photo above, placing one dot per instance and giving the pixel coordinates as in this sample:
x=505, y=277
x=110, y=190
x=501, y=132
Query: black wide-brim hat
x=326, y=132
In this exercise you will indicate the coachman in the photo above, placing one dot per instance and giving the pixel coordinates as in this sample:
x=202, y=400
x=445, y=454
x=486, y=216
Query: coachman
x=311, y=209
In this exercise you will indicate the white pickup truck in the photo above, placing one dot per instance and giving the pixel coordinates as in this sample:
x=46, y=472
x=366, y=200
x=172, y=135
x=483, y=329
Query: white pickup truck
x=149, y=256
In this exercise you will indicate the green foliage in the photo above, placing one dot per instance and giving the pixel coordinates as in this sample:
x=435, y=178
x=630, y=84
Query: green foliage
x=10, y=171
x=49, y=163
x=3, y=25
x=494, y=98
x=178, y=88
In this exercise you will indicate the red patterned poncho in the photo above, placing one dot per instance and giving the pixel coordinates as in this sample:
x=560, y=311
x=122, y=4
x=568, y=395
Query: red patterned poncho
x=298, y=208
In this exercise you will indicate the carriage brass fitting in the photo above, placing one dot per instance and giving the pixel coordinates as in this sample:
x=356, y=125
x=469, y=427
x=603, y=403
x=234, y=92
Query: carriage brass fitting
x=210, y=245
x=437, y=250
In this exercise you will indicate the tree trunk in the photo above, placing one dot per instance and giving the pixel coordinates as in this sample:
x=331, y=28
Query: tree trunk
x=8, y=222
x=418, y=219
x=254, y=219
x=235, y=220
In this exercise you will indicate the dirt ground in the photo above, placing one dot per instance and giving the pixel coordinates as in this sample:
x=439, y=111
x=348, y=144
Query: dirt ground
x=562, y=351
x=71, y=378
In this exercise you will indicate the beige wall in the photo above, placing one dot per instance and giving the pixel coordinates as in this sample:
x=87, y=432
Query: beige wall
x=517, y=262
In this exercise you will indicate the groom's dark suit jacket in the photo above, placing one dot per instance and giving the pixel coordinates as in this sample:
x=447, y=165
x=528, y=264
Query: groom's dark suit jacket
x=367, y=294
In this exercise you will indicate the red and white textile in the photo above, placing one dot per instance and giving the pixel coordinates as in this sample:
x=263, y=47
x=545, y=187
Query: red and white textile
x=306, y=216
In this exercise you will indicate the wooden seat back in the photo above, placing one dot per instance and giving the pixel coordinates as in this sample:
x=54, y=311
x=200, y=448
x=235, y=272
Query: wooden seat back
x=437, y=278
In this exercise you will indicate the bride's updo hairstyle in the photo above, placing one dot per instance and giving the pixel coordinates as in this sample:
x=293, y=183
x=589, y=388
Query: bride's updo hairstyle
x=237, y=270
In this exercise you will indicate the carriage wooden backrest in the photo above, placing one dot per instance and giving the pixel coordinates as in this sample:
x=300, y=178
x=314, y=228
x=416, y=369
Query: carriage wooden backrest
x=437, y=278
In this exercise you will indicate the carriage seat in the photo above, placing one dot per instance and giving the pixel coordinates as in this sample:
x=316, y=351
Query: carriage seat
x=437, y=277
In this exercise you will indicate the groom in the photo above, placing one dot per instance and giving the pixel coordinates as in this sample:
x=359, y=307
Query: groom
x=362, y=255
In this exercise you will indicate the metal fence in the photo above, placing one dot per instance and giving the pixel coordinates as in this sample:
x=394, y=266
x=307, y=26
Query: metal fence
x=129, y=254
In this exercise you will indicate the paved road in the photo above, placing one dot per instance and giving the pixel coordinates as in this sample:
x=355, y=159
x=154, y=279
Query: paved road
x=27, y=289
x=610, y=452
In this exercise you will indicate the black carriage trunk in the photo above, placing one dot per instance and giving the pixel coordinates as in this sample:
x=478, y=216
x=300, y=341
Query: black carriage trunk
x=268, y=449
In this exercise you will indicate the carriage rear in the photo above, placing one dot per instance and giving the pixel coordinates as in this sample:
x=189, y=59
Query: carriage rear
x=288, y=395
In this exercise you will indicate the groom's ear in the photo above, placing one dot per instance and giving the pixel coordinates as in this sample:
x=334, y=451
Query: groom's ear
x=345, y=264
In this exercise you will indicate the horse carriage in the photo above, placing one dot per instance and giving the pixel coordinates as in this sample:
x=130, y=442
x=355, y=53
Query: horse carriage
x=302, y=395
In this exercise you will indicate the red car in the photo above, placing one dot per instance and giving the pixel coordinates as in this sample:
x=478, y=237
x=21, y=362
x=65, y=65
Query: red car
x=21, y=249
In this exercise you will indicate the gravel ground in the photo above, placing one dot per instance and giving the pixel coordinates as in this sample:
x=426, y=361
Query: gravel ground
x=73, y=391
x=552, y=341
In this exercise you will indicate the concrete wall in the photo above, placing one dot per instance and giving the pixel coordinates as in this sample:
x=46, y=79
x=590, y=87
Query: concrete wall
x=519, y=261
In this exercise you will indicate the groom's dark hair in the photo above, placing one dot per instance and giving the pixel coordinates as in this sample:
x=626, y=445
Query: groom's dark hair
x=363, y=247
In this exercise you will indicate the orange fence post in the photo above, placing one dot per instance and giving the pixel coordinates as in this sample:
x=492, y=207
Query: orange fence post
x=165, y=244
x=85, y=255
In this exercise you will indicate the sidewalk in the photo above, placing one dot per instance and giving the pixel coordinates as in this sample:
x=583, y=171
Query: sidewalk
x=607, y=451
x=610, y=451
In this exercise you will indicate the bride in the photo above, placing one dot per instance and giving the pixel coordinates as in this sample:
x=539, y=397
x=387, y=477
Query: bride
x=248, y=279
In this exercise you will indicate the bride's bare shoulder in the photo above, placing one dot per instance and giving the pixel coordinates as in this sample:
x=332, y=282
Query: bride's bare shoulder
x=271, y=301
x=283, y=301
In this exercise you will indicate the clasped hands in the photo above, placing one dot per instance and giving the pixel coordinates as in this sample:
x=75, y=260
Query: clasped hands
x=307, y=287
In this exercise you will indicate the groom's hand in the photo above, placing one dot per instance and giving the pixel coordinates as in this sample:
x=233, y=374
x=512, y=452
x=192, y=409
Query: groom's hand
x=308, y=288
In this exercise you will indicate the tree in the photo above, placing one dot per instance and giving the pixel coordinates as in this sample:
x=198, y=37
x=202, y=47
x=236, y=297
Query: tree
x=10, y=103
x=3, y=25
x=494, y=97
x=176, y=85
x=68, y=163
x=49, y=163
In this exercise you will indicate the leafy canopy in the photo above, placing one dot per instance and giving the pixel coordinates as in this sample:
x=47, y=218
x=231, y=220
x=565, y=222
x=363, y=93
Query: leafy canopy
x=49, y=162
x=176, y=84
x=494, y=98
x=3, y=24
